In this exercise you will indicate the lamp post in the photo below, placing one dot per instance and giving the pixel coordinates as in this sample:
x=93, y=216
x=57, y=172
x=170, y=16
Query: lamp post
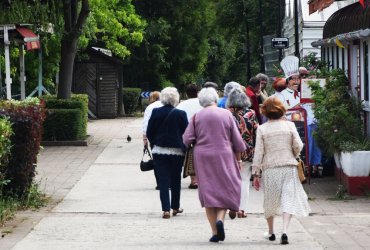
x=262, y=64
x=296, y=30
x=279, y=30
x=247, y=43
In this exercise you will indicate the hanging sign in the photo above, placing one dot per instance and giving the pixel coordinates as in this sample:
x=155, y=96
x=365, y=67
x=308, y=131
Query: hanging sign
x=280, y=42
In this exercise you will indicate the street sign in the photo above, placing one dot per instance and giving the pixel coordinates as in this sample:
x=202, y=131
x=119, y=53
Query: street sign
x=280, y=42
x=145, y=94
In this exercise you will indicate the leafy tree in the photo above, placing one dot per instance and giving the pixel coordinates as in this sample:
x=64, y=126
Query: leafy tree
x=175, y=46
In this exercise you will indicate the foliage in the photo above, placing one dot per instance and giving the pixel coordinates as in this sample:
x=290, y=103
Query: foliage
x=63, y=125
x=27, y=118
x=66, y=118
x=338, y=113
x=5, y=143
x=114, y=24
x=9, y=204
x=131, y=99
x=316, y=67
x=166, y=84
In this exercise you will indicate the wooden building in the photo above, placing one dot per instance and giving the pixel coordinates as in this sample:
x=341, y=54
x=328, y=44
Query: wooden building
x=100, y=76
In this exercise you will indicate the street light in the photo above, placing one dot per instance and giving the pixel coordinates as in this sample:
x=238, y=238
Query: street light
x=296, y=30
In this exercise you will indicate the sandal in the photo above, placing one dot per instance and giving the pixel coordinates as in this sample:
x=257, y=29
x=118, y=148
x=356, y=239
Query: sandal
x=242, y=214
x=177, y=211
x=193, y=186
x=166, y=215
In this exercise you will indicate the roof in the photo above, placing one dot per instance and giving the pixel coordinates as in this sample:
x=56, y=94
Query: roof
x=348, y=19
x=30, y=38
x=320, y=5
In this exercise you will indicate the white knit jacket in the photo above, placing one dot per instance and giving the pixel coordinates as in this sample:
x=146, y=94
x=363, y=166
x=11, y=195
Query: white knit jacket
x=277, y=144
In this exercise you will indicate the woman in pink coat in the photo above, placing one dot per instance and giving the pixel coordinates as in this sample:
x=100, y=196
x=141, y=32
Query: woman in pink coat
x=218, y=145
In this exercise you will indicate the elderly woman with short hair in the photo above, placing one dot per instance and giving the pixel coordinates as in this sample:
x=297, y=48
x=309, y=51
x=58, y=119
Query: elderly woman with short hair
x=238, y=103
x=218, y=145
x=227, y=89
x=165, y=128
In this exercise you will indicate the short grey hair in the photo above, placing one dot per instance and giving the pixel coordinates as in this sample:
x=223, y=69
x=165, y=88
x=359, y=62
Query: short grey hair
x=230, y=86
x=170, y=96
x=210, y=84
x=207, y=97
x=238, y=99
x=263, y=77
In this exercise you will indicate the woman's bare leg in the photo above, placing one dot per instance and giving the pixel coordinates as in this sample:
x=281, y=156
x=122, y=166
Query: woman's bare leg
x=286, y=220
x=211, y=213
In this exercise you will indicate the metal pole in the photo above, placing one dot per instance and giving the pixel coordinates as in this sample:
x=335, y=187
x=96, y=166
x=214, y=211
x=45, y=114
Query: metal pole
x=262, y=64
x=279, y=33
x=22, y=77
x=40, y=87
x=8, y=79
x=296, y=29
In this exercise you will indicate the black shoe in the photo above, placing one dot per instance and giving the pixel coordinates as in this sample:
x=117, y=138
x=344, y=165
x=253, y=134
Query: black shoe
x=156, y=188
x=220, y=230
x=214, y=238
x=272, y=237
x=284, y=239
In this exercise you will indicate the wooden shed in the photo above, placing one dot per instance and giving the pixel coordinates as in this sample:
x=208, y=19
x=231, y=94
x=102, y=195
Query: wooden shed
x=100, y=76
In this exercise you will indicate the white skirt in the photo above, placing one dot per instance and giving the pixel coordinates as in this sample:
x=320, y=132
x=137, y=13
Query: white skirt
x=283, y=192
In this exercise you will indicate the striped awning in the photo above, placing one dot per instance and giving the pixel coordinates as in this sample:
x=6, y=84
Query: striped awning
x=318, y=5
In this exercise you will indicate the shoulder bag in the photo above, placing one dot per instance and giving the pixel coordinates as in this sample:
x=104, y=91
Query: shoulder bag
x=189, y=158
x=146, y=165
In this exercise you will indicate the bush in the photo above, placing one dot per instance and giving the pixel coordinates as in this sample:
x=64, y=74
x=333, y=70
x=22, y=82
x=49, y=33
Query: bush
x=5, y=143
x=5, y=146
x=63, y=125
x=131, y=99
x=27, y=118
x=338, y=113
x=79, y=102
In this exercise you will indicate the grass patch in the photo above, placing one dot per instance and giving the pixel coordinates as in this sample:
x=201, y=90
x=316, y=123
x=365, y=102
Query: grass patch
x=33, y=199
x=341, y=195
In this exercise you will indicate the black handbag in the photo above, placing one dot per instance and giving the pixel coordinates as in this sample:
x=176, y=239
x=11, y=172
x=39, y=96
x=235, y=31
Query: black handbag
x=146, y=165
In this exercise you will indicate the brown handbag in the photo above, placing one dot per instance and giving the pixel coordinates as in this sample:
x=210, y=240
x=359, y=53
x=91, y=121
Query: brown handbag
x=189, y=159
x=300, y=168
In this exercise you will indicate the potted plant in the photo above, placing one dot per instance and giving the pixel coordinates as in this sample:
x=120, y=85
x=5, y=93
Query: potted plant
x=340, y=130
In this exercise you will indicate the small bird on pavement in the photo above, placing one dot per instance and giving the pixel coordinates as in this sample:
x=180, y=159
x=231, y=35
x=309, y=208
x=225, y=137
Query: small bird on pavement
x=128, y=138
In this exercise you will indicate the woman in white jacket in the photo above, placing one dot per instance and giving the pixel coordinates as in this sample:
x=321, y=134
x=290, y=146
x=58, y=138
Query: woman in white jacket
x=277, y=147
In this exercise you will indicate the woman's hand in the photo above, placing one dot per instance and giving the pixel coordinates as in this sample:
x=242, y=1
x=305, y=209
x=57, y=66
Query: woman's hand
x=256, y=182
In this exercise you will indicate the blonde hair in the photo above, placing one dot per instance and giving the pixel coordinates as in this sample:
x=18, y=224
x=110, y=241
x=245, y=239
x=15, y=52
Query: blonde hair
x=154, y=96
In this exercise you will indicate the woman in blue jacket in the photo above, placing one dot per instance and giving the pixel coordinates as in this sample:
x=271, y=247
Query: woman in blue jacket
x=165, y=128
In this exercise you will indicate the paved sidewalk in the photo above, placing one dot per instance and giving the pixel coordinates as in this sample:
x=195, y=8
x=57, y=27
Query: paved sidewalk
x=101, y=200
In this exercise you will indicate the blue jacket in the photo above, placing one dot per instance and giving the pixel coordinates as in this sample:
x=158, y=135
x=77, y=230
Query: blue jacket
x=165, y=129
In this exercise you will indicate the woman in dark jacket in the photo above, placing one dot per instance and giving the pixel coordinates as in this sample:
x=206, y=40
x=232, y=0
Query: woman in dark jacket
x=165, y=128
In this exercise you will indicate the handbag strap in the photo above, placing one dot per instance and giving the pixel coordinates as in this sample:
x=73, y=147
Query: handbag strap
x=146, y=151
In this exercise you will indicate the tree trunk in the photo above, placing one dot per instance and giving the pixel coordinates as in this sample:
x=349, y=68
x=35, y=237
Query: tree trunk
x=68, y=52
x=73, y=25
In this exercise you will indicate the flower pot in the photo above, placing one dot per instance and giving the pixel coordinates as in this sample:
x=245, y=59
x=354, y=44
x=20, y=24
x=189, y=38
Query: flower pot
x=355, y=163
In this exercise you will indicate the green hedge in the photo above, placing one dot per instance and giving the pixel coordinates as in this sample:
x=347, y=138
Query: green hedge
x=131, y=99
x=76, y=102
x=27, y=119
x=5, y=146
x=63, y=125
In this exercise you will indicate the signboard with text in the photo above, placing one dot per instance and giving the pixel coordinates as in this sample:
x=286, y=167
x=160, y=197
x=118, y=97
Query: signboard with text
x=280, y=42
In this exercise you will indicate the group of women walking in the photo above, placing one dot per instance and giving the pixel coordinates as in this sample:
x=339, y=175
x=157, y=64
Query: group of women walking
x=230, y=146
